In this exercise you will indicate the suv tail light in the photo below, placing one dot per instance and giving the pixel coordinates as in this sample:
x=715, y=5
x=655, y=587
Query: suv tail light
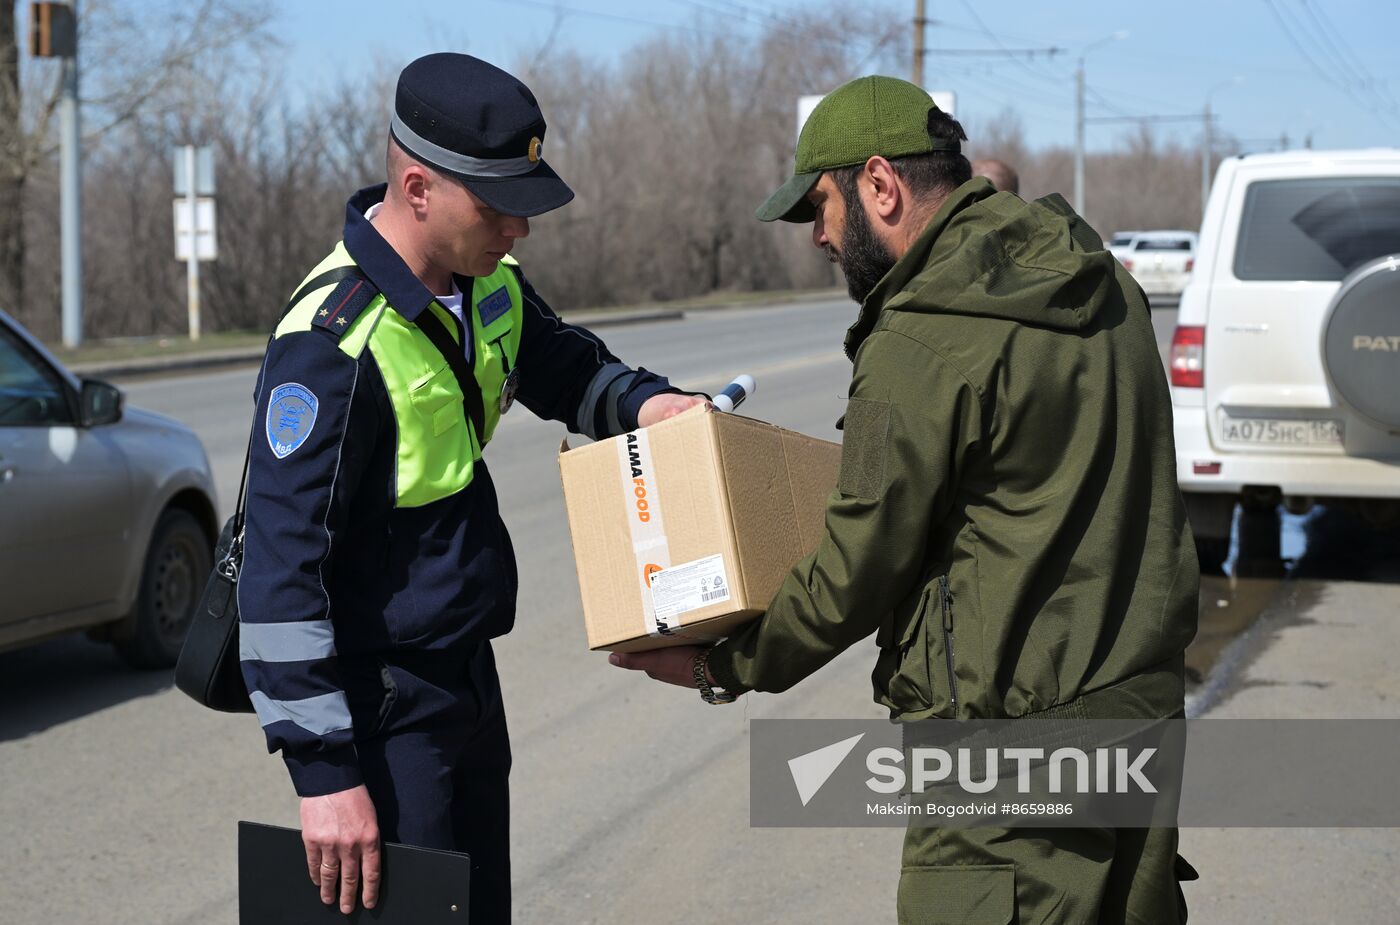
x=1190, y=263
x=1128, y=264
x=1188, y=356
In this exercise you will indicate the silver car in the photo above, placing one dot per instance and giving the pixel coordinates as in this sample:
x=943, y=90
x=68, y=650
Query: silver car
x=107, y=517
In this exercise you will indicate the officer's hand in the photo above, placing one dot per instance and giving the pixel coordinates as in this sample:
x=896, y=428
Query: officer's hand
x=341, y=835
x=666, y=405
x=672, y=665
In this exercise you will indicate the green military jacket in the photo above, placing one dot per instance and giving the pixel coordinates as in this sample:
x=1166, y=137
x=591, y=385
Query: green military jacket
x=1007, y=520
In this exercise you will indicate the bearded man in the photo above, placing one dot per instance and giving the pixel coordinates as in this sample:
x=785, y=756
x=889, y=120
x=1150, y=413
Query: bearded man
x=1007, y=521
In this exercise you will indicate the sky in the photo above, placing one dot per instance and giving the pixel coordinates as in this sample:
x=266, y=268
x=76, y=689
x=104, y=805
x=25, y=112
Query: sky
x=1320, y=68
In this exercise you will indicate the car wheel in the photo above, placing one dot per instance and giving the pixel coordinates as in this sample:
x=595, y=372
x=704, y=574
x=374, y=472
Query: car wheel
x=172, y=580
x=1212, y=551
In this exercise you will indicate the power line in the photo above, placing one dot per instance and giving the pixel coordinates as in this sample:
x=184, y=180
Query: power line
x=1345, y=52
x=614, y=17
x=971, y=11
x=656, y=24
x=1346, y=68
x=1276, y=9
x=995, y=52
x=1295, y=25
x=1145, y=119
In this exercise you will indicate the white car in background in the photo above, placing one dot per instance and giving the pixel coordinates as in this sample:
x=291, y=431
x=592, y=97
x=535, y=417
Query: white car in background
x=1160, y=261
x=1285, y=363
x=1121, y=243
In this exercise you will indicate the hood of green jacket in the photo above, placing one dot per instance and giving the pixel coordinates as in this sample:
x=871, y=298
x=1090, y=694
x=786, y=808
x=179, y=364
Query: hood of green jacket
x=992, y=254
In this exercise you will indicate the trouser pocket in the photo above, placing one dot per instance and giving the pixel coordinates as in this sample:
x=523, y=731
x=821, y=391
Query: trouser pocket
x=372, y=690
x=983, y=894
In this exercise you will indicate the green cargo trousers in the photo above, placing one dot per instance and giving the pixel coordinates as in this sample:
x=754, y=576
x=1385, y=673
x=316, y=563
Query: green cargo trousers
x=1051, y=876
x=1055, y=876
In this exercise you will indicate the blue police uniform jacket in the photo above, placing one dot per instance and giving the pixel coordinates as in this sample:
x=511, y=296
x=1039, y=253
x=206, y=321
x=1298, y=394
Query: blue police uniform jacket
x=333, y=567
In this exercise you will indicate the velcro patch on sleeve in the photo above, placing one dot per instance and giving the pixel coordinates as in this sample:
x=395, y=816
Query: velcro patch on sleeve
x=864, y=447
x=351, y=296
x=493, y=306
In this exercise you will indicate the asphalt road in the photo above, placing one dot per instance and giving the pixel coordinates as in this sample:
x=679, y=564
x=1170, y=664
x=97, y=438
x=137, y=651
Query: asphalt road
x=630, y=800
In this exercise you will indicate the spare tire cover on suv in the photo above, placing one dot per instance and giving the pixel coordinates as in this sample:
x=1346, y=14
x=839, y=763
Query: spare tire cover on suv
x=1361, y=341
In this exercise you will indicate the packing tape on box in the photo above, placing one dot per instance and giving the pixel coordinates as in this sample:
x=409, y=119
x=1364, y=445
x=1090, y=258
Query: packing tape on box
x=653, y=553
x=649, y=544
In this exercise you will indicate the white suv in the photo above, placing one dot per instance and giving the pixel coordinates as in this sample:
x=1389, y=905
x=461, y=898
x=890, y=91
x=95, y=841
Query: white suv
x=1285, y=364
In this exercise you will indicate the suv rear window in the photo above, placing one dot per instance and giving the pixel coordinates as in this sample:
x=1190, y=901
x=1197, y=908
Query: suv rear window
x=1316, y=229
x=1164, y=244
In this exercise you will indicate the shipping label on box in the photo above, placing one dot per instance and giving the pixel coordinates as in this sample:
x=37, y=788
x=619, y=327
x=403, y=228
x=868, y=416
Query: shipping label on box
x=683, y=531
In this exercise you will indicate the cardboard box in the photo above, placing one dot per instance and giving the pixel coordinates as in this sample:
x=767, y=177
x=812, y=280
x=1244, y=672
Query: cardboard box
x=684, y=531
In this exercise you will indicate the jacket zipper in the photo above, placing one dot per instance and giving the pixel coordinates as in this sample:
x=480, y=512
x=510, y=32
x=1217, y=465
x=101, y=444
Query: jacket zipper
x=945, y=597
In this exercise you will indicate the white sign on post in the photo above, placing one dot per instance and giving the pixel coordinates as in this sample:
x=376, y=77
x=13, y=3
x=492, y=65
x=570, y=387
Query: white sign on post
x=805, y=105
x=203, y=172
x=194, y=220
x=206, y=241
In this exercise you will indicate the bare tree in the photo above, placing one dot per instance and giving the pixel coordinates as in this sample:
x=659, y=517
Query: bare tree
x=138, y=66
x=669, y=150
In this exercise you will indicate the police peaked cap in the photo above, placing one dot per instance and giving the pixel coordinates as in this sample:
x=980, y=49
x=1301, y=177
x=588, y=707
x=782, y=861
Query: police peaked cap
x=475, y=122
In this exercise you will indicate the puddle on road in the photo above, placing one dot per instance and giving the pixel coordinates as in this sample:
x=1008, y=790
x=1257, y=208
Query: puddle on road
x=1271, y=553
x=1229, y=606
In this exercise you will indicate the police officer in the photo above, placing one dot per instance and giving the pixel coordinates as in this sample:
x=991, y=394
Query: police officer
x=1007, y=522
x=377, y=568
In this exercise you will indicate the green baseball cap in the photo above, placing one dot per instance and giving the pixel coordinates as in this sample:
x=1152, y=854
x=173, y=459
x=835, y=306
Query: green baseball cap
x=869, y=116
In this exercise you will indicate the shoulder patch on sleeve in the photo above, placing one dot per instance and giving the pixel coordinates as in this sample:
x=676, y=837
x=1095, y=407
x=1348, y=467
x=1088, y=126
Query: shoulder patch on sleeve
x=291, y=413
x=351, y=296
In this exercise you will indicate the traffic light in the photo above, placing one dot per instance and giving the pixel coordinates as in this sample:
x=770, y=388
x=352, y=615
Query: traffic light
x=53, y=30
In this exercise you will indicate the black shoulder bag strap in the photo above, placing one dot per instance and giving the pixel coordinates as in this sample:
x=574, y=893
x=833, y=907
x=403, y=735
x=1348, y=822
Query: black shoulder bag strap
x=455, y=354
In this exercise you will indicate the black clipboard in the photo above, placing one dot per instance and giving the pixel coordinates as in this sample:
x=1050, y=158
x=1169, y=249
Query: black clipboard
x=420, y=885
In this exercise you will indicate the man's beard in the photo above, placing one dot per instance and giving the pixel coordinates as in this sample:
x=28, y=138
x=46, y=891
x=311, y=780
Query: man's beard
x=864, y=258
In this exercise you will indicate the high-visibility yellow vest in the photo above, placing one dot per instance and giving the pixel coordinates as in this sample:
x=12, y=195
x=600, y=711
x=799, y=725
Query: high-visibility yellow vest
x=437, y=445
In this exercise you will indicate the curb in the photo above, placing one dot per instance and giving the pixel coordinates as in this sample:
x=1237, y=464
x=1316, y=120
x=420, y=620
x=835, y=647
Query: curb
x=252, y=355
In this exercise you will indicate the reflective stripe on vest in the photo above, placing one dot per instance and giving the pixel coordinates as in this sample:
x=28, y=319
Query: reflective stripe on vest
x=436, y=448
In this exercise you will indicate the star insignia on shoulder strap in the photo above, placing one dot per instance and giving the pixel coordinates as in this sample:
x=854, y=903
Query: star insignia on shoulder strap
x=350, y=297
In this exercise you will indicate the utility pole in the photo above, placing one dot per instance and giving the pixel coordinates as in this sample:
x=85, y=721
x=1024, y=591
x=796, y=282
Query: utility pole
x=54, y=34
x=1207, y=149
x=192, y=265
x=71, y=205
x=1079, y=119
x=919, y=22
x=1208, y=139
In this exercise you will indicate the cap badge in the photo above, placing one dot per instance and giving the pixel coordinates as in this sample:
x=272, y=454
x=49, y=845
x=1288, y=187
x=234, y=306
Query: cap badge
x=536, y=149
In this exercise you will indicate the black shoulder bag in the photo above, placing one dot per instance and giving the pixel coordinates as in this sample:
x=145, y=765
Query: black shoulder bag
x=208, y=668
